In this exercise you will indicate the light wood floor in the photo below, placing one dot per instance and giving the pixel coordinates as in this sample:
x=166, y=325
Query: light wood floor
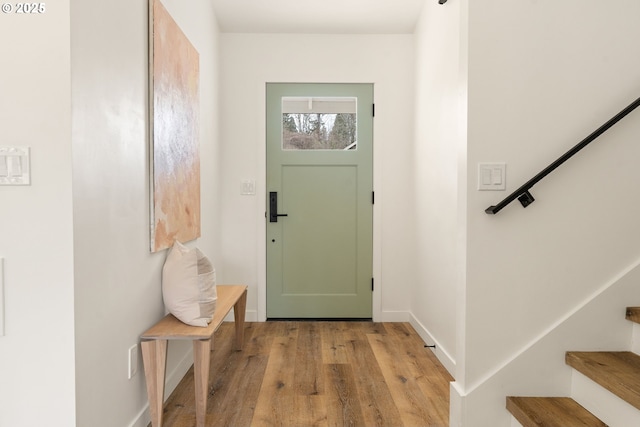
x=300, y=374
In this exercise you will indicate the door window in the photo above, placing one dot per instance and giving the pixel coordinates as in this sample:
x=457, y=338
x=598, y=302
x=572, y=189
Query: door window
x=319, y=123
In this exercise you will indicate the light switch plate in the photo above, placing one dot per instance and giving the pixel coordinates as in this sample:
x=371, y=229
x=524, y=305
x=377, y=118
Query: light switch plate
x=492, y=176
x=15, y=168
x=248, y=188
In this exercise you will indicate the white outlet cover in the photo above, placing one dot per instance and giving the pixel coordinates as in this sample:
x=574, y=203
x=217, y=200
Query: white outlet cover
x=133, y=361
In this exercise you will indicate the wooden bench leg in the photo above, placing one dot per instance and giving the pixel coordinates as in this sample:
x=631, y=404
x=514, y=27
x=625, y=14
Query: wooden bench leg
x=154, y=358
x=239, y=310
x=201, y=361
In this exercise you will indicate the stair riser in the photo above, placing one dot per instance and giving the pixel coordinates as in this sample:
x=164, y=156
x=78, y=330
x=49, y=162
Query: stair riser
x=605, y=405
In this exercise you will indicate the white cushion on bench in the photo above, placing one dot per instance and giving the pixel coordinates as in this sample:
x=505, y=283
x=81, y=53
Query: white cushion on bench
x=189, y=285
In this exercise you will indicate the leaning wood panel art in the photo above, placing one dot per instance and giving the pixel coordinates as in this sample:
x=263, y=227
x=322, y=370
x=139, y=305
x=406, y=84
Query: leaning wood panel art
x=174, y=149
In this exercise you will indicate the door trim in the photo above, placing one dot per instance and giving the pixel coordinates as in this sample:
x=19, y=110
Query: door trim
x=261, y=193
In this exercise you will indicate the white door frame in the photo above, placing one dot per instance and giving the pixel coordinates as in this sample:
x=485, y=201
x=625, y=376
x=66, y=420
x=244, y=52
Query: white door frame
x=261, y=192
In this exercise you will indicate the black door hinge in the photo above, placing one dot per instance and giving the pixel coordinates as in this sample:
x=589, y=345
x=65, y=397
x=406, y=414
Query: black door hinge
x=373, y=110
x=373, y=197
x=372, y=284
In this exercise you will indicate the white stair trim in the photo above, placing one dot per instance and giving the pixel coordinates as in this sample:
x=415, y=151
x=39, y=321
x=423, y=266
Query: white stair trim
x=635, y=338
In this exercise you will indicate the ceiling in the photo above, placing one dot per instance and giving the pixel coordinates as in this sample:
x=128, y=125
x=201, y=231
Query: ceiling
x=318, y=16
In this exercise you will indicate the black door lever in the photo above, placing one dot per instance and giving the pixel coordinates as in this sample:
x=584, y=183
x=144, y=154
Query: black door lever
x=273, y=207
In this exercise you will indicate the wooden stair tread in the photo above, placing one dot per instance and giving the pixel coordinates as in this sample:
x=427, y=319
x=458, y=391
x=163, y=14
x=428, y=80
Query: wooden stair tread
x=616, y=371
x=551, y=412
x=633, y=314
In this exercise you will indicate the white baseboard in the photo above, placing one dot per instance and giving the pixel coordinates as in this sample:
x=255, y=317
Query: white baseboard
x=172, y=380
x=456, y=405
x=441, y=353
x=143, y=419
x=395, y=316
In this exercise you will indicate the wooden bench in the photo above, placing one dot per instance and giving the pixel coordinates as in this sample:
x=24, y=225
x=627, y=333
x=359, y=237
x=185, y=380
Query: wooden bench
x=154, y=349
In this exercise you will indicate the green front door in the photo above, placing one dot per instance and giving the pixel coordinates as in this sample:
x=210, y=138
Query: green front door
x=319, y=200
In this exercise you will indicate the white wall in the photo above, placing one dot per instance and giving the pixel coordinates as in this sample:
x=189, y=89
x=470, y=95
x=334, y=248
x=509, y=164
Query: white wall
x=248, y=61
x=117, y=279
x=438, y=146
x=542, y=76
x=37, y=353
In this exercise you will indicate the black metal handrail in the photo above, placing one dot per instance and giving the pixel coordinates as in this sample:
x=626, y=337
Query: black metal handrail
x=524, y=196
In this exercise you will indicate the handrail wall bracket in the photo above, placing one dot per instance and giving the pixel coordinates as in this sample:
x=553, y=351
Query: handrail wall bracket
x=526, y=199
